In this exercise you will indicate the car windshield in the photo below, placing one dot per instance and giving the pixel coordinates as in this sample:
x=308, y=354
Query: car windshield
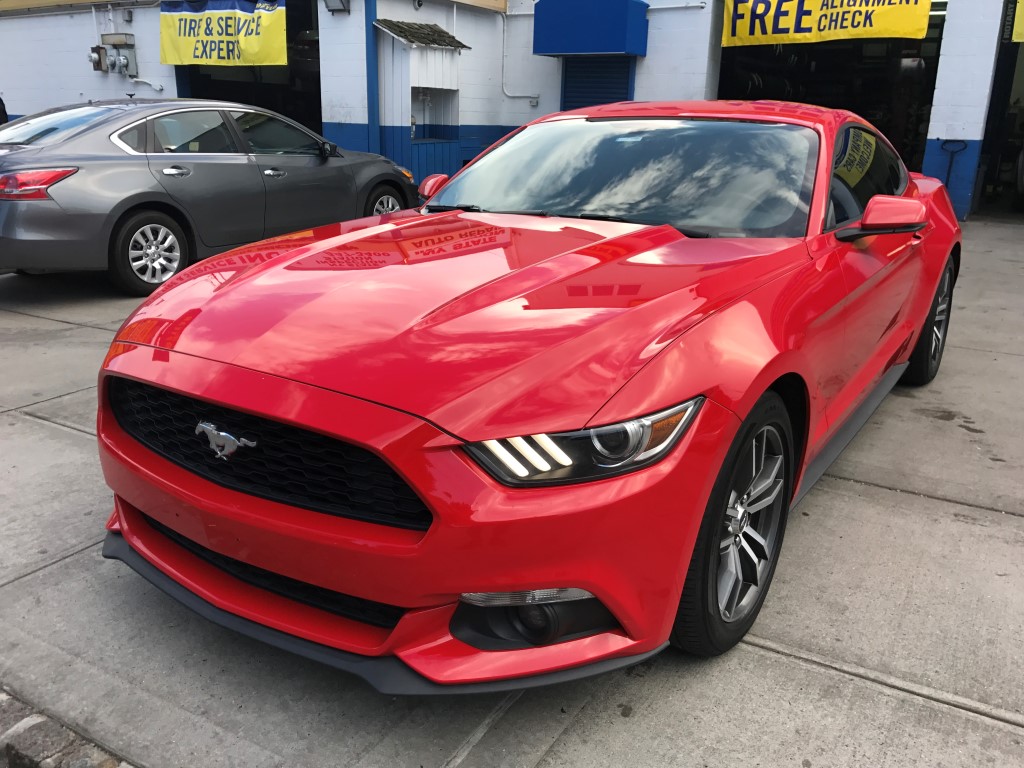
x=705, y=177
x=51, y=127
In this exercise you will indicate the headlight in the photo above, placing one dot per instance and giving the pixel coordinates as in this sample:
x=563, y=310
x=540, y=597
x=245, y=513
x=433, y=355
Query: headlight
x=405, y=172
x=587, y=454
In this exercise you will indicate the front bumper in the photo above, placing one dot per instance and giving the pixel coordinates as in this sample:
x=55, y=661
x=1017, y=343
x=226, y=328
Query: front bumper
x=627, y=540
x=385, y=673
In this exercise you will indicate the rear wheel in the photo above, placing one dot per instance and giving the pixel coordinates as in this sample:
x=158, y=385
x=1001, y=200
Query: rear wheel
x=149, y=248
x=741, y=535
x=383, y=199
x=927, y=355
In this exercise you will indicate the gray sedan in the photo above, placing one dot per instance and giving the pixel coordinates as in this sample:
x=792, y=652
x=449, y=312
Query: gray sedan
x=144, y=188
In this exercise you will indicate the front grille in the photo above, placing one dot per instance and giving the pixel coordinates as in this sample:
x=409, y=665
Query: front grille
x=356, y=608
x=288, y=464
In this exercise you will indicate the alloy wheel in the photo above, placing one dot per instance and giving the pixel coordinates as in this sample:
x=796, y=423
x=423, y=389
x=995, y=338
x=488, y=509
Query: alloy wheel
x=940, y=326
x=750, y=533
x=154, y=253
x=386, y=204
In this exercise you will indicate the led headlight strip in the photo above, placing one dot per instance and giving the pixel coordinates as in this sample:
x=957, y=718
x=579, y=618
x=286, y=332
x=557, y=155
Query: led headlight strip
x=567, y=457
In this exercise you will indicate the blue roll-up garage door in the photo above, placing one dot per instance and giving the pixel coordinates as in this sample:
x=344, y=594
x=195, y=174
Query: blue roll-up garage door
x=590, y=80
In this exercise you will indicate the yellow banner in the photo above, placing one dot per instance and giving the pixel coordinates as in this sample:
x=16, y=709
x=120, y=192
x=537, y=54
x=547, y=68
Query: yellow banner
x=1018, y=23
x=767, y=22
x=226, y=33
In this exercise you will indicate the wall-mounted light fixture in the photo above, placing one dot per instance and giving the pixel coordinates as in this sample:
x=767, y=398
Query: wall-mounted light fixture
x=335, y=6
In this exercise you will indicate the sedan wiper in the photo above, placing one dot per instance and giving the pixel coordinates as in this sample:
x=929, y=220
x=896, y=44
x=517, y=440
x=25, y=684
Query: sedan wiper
x=469, y=207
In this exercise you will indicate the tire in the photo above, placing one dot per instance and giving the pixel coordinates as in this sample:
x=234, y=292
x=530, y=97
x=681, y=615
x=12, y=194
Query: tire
x=148, y=249
x=719, y=604
x=927, y=355
x=383, y=199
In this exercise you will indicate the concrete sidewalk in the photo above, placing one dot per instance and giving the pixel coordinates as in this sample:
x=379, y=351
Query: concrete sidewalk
x=892, y=635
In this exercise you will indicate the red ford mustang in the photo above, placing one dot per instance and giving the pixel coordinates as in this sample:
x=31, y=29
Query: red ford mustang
x=547, y=424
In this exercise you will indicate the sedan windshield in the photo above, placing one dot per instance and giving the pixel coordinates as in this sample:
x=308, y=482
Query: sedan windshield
x=705, y=177
x=51, y=127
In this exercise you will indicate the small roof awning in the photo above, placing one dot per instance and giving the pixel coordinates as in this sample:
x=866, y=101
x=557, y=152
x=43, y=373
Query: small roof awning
x=419, y=34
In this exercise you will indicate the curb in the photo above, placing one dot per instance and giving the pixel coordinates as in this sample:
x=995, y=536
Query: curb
x=29, y=739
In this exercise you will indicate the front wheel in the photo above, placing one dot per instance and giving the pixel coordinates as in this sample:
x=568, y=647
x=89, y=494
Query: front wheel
x=383, y=199
x=148, y=249
x=740, y=538
x=927, y=355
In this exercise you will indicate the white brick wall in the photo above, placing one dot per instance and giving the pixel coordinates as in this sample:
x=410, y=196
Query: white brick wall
x=481, y=100
x=682, y=52
x=966, y=65
x=343, y=64
x=45, y=65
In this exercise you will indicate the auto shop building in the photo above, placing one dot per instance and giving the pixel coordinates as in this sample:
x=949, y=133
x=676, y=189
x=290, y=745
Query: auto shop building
x=430, y=83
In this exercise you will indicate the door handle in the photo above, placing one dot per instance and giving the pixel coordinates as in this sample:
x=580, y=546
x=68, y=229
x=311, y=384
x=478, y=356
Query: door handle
x=176, y=170
x=273, y=173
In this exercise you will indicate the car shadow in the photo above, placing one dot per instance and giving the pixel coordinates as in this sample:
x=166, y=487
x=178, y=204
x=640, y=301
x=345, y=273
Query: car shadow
x=81, y=298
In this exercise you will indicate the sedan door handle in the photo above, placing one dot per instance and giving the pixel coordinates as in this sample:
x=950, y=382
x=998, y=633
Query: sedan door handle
x=176, y=170
x=273, y=173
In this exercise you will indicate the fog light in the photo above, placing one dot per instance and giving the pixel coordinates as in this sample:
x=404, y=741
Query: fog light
x=504, y=621
x=538, y=623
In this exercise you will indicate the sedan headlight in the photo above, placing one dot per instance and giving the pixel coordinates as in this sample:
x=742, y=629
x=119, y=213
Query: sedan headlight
x=405, y=172
x=587, y=454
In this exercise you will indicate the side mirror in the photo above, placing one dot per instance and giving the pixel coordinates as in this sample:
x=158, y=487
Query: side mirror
x=328, y=149
x=887, y=215
x=431, y=185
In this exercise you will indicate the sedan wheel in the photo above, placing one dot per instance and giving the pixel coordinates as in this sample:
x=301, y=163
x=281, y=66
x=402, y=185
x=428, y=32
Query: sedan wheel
x=154, y=253
x=148, y=249
x=382, y=200
x=740, y=537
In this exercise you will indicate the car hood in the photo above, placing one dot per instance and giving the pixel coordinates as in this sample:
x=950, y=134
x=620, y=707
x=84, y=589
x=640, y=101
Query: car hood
x=487, y=325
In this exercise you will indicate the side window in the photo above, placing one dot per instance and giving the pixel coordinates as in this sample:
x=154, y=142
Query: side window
x=864, y=167
x=193, y=132
x=134, y=138
x=267, y=135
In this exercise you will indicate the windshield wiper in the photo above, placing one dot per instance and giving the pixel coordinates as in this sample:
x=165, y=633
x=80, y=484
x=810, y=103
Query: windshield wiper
x=469, y=207
x=625, y=220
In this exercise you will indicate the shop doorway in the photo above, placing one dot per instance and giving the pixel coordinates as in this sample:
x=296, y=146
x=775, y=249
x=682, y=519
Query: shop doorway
x=293, y=90
x=889, y=82
x=1001, y=175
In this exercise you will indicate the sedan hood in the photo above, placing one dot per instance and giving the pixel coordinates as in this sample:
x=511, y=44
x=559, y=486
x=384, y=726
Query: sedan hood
x=487, y=325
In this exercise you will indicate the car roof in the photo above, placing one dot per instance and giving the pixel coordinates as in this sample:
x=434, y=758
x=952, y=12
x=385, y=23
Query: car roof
x=820, y=118
x=155, y=104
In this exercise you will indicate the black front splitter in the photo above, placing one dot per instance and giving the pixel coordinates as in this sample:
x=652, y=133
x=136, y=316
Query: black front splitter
x=388, y=674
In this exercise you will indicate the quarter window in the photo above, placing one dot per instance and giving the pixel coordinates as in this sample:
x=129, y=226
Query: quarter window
x=134, y=138
x=193, y=132
x=267, y=135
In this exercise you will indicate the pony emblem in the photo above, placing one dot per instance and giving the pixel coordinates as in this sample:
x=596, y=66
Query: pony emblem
x=224, y=444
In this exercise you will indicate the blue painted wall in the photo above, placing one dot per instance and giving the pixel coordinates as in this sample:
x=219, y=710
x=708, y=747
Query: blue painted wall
x=422, y=156
x=575, y=27
x=961, y=182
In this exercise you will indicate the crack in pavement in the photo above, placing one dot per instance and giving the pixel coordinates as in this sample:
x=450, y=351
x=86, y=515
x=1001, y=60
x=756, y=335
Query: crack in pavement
x=932, y=497
x=891, y=682
x=63, y=322
x=46, y=400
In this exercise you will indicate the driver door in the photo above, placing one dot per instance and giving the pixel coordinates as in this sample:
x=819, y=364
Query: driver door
x=880, y=271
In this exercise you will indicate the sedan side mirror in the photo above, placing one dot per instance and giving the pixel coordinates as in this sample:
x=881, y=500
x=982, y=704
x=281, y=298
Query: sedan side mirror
x=887, y=215
x=328, y=149
x=431, y=185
